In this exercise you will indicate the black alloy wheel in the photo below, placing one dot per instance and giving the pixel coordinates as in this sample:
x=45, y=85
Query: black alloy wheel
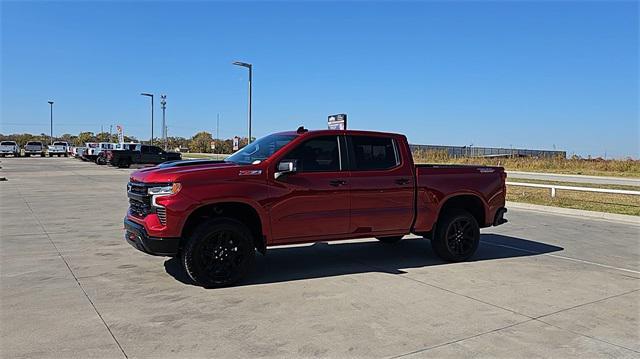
x=457, y=236
x=460, y=237
x=219, y=253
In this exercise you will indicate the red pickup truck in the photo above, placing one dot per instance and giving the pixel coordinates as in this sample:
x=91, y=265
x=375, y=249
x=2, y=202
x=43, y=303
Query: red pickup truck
x=307, y=186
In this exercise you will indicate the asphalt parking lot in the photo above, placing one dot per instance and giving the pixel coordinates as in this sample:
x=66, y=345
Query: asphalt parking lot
x=540, y=286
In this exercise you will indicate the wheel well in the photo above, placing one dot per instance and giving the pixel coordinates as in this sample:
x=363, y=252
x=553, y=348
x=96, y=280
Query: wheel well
x=239, y=211
x=469, y=203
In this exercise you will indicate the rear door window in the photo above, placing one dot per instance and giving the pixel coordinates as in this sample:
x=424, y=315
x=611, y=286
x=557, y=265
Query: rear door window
x=371, y=153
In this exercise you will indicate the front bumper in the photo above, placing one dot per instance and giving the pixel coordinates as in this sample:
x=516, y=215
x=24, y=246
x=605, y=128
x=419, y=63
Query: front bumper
x=137, y=236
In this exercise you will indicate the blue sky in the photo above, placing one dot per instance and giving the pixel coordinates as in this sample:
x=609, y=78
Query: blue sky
x=521, y=74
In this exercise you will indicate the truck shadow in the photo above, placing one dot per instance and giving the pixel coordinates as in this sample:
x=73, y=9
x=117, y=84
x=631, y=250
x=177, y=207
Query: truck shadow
x=321, y=259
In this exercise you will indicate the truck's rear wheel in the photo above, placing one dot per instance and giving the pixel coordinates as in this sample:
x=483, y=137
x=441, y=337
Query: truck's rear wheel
x=390, y=240
x=457, y=236
x=218, y=253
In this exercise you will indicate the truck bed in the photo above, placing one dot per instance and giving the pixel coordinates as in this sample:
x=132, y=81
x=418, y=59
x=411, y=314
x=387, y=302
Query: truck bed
x=435, y=183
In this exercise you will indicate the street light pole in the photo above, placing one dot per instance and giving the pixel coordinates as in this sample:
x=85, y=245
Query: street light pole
x=150, y=95
x=250, y=67
x=51, y=117
x=163, y=102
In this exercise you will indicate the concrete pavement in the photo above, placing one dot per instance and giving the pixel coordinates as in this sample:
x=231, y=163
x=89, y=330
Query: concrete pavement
x=541, y=285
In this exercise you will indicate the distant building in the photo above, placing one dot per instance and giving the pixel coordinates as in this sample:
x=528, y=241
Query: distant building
x=472, y=151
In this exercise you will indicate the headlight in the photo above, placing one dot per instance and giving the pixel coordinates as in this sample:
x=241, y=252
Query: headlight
x=165, y=190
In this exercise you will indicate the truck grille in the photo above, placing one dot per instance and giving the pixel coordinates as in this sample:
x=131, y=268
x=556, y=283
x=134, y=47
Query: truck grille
x=139, y=200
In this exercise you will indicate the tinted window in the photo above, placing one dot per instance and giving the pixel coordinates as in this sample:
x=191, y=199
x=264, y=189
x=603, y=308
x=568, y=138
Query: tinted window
x=373, y=153
x=260, y=149
x=34, y=143
x=316, y=155
x=5, y=143
x=145, y=149
x=59, y=143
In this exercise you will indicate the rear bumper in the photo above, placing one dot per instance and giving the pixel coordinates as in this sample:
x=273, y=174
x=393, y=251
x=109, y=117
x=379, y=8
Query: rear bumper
x=137, y=236
x=499, y=217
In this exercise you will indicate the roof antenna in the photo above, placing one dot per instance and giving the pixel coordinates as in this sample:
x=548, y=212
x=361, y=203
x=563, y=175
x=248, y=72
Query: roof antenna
x=301, y=129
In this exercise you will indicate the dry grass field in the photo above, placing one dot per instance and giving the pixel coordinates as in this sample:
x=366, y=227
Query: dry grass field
x=593, y=167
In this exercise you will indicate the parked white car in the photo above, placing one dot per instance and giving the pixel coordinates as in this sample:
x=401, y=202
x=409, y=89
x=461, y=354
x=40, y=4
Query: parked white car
x=77, y=152
x=9, y=148
x=59, y=148
x=34, y=148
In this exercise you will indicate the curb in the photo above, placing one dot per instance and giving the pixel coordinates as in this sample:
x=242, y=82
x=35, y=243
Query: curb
x=622, y=218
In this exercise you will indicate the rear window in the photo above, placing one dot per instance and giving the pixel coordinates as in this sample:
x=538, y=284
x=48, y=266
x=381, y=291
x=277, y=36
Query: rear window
x=374, y=153
x=7, y=143
x=59, y=143
x=34, y=143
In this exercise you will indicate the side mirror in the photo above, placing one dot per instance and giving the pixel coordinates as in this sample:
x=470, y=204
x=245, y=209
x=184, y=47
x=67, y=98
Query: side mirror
x=284, y=167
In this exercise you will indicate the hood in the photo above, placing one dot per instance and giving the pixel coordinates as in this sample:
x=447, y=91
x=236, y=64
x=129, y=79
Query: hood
x=172, y=170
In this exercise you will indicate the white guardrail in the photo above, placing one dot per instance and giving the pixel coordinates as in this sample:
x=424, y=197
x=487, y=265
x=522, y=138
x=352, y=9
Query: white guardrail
x=553, y=188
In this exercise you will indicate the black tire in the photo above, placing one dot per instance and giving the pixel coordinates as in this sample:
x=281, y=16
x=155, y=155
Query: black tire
x=230, y=248
x=457, y=236
x=43, y=155
x=390, y=240
x=66, y=155
x=27, y=155
x=124, y=163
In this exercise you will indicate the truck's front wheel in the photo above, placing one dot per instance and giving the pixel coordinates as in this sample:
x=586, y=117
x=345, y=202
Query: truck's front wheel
x=457, y=236
x=218, y=253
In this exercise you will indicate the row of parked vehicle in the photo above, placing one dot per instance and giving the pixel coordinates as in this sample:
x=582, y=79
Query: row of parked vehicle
x=123, y=155
x=115, y=154
x=35, y=148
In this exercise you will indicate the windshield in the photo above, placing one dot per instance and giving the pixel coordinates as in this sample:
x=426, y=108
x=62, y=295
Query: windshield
x=261, y=149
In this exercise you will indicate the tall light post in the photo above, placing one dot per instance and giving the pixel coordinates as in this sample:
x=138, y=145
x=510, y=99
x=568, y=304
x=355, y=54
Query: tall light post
x=150, y=95
x=51, y=117
x=163, y=102
x=250, y=67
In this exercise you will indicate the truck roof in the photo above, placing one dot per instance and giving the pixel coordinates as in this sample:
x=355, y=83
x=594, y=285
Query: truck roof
x=340, y=132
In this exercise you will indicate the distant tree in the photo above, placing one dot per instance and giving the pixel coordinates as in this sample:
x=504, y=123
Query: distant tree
x=84, y=137
x=201, y=142
x=23, y=138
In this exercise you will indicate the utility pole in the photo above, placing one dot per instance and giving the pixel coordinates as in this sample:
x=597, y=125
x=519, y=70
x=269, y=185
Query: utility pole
x=163, y=102
x=51, y=116
x=150, y=95
x=110, y=131
x=250, y=67
x=218, y=133
x=102, y=132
